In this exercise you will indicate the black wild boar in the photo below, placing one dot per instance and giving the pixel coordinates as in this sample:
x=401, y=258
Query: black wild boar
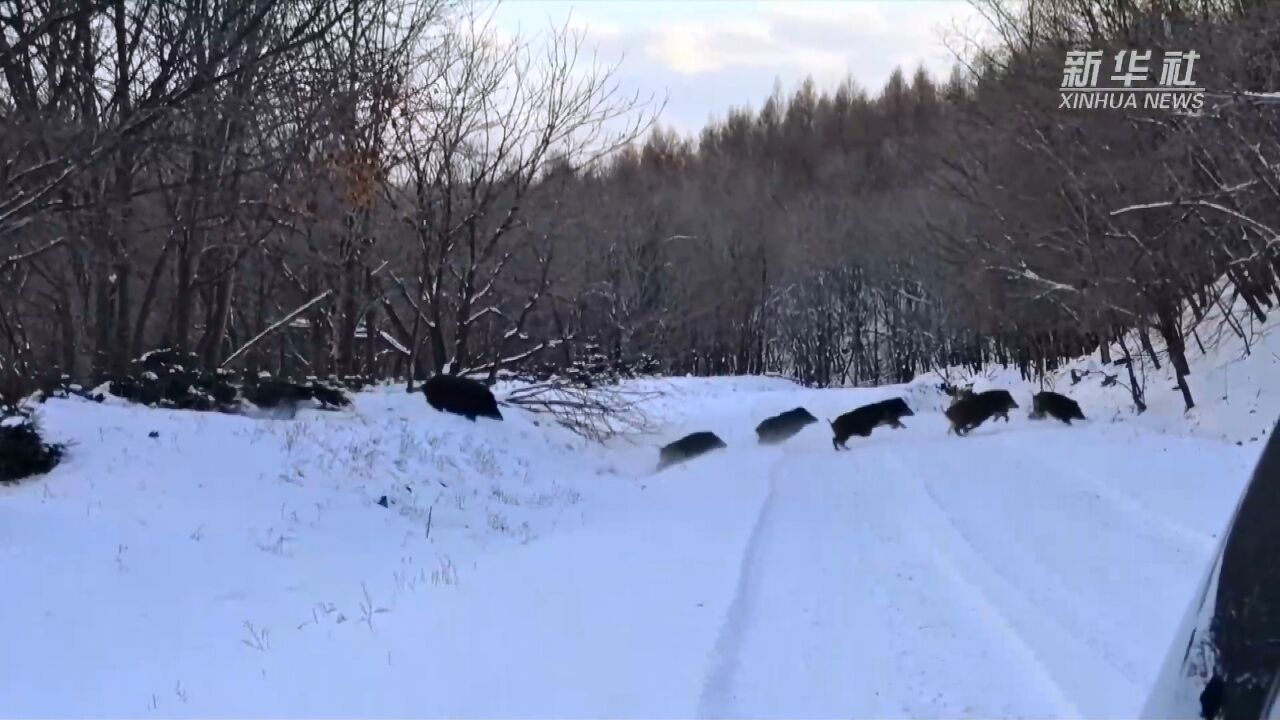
x=329, y=397
x=972, y=411
x=1056, y=406
x=277, y=393
x=862, y=421
x=781, y=428
x=461, y=396
x=963, y=393
x=688, y=447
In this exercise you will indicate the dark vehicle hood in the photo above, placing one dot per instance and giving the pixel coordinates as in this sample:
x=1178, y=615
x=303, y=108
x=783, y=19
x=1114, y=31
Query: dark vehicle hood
x=1232, y=627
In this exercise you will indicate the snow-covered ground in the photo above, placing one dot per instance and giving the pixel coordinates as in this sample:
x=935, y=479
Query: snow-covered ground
x=1235, y=383
x=233, y=566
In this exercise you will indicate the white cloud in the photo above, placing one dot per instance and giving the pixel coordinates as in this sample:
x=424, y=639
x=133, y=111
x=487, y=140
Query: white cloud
x=694, y=48
x=825, y=39
x=710, y=55
x=595, y=26
x=869, y=17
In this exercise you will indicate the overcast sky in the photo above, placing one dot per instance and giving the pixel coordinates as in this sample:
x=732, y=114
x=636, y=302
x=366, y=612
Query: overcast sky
x=709, y=55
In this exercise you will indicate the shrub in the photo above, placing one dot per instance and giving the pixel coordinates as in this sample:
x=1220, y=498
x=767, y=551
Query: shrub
x=23, y=452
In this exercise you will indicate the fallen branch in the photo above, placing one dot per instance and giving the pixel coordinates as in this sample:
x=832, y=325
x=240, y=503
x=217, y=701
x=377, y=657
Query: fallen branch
x=595, y=413
x=276, y=326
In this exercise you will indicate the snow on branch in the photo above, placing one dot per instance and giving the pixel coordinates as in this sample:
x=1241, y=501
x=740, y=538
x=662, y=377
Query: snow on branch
x=1272, y=236
x=481, y=313
x=22, y=257
x=1198, y=203
x=1257, y=98
x=1026, y=273
x=517, y=358
x=396, y=344
x=276, y=326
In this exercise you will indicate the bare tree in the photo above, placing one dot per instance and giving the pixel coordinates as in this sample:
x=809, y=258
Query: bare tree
x=488, y=126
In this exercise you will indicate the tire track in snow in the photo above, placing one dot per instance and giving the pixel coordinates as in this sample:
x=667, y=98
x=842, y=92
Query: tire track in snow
x=1013, y=611
x=1201, y=542
x=949, y=566
x=838, y=634
x=1110, y=492
x=1020, y=612
x=1124, y=502
x=1090, y=630
x=717, y=689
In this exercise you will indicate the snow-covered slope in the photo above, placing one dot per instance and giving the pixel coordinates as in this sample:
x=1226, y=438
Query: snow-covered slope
x=232, y=566
x=1235, y=384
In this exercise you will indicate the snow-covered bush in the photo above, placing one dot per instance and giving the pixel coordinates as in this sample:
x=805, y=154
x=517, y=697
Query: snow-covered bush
x=168, y=379
x=23, y=452
x=591, y=369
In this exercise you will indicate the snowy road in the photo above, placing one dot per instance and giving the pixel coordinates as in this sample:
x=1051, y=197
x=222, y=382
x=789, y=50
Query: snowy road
x=1013, y=573
x=961, y=579
x=1029, y=569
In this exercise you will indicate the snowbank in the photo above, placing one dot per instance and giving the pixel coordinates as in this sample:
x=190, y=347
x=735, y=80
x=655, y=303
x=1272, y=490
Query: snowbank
x=390, y=560
x=1235, y=384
